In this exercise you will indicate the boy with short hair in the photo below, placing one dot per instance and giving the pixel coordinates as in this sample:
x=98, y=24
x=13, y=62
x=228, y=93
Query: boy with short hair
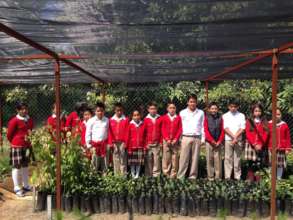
x=234, y=125
x=171, y=133
x=19, y=128
x=152, y=124
x=118, y=128
x=214, y=134
x=97, y=137
x=192, y=138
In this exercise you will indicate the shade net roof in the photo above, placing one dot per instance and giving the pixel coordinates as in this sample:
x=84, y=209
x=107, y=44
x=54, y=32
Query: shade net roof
x=145, y=40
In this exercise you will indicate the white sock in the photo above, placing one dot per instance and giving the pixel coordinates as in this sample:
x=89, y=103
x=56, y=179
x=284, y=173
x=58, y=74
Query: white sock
x=25, y=177
x=15, y=178
x=132, y=171
x=279, y=172
x=137, y=171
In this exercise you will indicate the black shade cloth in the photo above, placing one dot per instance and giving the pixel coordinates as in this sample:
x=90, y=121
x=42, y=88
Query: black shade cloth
x=104, y=31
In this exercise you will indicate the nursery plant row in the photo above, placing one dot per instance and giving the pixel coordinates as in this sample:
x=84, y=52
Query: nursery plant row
x=116, y=194
x=85, y=189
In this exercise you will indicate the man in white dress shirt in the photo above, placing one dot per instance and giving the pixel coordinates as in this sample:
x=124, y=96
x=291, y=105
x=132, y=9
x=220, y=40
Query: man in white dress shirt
x=234, y=125
x=192, y=137
x=96, y=137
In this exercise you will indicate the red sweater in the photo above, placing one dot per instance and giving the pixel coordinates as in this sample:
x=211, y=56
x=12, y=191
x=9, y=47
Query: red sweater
x=135, y=137
x=18, y=130
x=283, y=136
x=51, y=124
x=257, y=135
x=72, y=121
x=171, y=129
x=82, y=131
x=153, y=130
x=118, y=130
x=208, y=136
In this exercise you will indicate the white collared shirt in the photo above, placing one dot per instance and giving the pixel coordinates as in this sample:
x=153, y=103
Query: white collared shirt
x=192, y=122
x=96, y=130
x=26, y=118
x=172, y=117
x=153, y=118
x=114, y=117
x=233, y=121
x=136, y=124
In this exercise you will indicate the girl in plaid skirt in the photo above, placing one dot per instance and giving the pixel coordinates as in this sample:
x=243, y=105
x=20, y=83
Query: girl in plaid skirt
x=136, y=144
x=19, y=127
x=256, y=140
x=283, y=140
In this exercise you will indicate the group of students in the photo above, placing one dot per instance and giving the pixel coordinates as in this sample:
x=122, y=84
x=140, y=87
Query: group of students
x=170, y=143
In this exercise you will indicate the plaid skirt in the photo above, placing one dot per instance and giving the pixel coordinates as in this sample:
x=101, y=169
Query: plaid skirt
x=281, y=159
x=19, y=157
x=136, y=157
x=250, y=153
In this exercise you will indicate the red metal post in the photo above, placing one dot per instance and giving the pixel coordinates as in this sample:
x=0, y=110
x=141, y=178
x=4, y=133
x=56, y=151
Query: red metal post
x=207, y=93
x=275, y=67
x=58, y=134
x=1, y=121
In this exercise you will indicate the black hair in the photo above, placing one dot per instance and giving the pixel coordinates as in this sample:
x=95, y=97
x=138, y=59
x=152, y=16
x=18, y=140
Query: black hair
x=212, y=104
x=262, y=118
x=170, y=102
x=233, y=102
x=152, y=103
x=100, y=105
x=118, y=105
x=88, y=109
x=20, y=105
x=192, y=96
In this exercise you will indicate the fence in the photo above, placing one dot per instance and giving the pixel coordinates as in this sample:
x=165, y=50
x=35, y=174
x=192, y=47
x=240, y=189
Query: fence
x=40, y=98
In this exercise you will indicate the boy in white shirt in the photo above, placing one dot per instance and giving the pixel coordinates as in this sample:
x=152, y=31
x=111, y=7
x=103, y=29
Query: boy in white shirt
x=96, y=137
x=234, y=125
x=192, y=137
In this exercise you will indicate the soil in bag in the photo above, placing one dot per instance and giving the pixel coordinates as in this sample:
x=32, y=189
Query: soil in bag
x=183, y=204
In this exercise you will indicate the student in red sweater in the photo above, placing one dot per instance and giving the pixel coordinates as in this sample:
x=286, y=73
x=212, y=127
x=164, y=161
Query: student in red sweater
x=87, y=114
x=118, y=126
x=19, y=127
x=257, y=132
x=73, y=119
x=171, y=132
x=136, y=143
x=51, y=124
x=283, y=143
x=214, y=136
x=153, y=140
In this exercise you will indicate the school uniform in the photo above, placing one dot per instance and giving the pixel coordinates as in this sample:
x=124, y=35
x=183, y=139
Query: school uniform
x=153, y=144
x=118, y=128
x=17, y=134
x=283, y=143
x=171, y=131
x=136, y=143
x=192, y=136
x=82, y=133
x=214, y=133
x=72, y=122
x=96, y=137
x=233, y=152
x=255, y=135
x=52, y=125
